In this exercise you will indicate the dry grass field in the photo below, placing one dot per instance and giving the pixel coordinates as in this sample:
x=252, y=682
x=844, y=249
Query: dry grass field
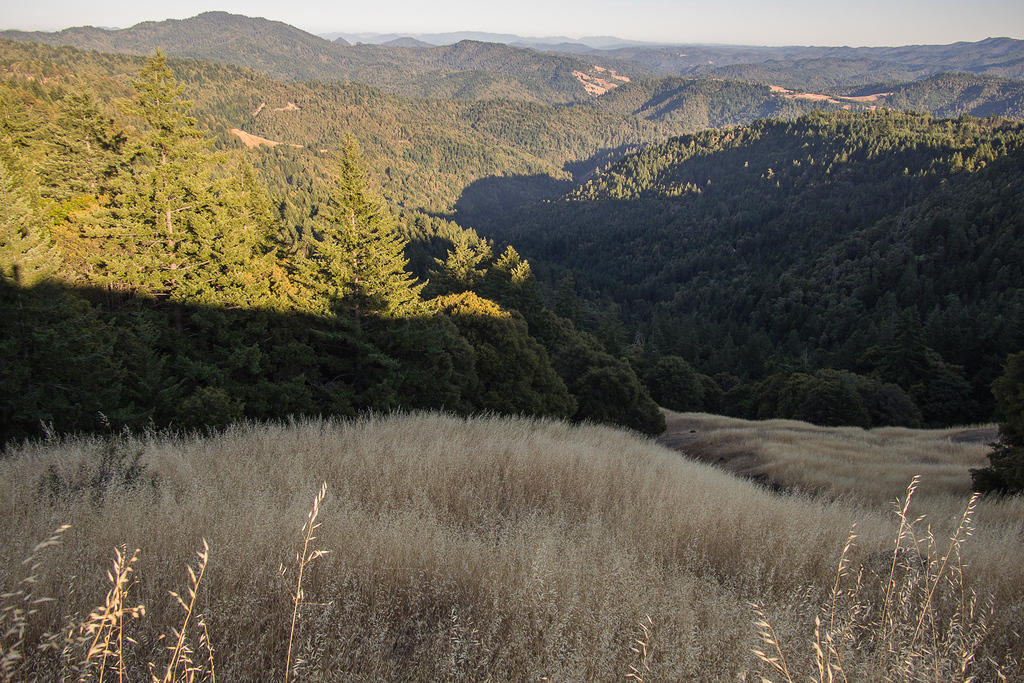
x=486, y=549
x=869, y=466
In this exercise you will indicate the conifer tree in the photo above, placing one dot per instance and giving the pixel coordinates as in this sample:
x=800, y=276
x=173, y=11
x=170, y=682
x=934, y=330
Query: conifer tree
x=83, y=146
x=27, y=254
x=358, y=264
x=179, y=227
x=461, y=270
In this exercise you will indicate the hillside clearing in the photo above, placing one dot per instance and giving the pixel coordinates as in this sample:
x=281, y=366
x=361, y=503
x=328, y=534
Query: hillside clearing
x=459, y=548
x=250, y=140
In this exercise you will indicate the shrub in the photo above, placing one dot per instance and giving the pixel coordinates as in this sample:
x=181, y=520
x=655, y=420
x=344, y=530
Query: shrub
x=1005, y=474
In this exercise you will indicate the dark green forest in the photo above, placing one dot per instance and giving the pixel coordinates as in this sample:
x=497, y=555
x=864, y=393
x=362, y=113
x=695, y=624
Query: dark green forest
x=887, y=246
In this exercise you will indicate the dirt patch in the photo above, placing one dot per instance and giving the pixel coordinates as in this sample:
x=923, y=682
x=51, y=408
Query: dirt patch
x=611, y=73
x=814, y=97
x=597, y=86
x=793, y=95
x=259, y=109
x=819, y=97
x=250, y=140
x=291, y=106
x=868, y=98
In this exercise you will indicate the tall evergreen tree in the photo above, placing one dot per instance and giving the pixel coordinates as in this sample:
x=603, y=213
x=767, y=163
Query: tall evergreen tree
x=463, y=268
x=179, y=226
x=358, y=264
x=83, y=146
x=27, y=254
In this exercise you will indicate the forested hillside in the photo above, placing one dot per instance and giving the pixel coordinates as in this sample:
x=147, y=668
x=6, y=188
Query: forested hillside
x=426, y=153
x=700, y=265
x=951, y=95
x=468, y=69
x=884, y=244
x=148, y=279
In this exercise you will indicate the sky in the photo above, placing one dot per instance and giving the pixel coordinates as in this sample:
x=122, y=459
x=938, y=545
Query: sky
x=748, y=22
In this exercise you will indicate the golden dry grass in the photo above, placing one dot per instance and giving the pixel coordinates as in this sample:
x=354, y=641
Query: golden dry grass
x=870, y=466
x=459, y=549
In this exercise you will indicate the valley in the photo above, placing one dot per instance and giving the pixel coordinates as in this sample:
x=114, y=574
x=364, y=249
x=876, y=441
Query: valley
x=468, y=356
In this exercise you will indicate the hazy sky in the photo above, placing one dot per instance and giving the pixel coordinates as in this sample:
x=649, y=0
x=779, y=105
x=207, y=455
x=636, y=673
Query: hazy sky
x=752, y=22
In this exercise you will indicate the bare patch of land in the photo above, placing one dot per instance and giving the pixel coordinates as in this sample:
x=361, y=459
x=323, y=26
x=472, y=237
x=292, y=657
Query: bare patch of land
x=597, y=85
x=867, y=98
x=818, y=97
x=250, y=140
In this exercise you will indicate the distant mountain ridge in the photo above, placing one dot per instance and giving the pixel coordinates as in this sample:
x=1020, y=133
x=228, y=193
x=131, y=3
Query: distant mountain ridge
x=554, y=70
x=468, y=69
x=831, y=67
x=452, y=37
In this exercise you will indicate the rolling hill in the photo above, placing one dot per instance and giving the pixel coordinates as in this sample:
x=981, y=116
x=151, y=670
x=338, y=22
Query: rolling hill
x=284, y=52
x=495, y=548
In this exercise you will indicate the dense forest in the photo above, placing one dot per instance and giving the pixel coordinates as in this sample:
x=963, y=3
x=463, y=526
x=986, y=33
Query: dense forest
x=883, y=245
x=145, y=282
x=221, y=249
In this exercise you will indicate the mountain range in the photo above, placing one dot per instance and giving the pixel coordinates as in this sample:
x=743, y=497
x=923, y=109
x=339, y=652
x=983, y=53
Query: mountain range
x=449, y=38
x=467, y=69
x=556, y=70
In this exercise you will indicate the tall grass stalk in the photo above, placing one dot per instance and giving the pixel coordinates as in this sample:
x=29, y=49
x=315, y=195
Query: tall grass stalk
x=181, y=652
x=20, y=605
x=909, y=611
x=641, y=646
x=303, y=559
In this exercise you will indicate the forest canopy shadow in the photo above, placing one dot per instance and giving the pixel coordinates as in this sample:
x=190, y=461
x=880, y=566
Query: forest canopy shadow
x=495, y=196
x=75, y=359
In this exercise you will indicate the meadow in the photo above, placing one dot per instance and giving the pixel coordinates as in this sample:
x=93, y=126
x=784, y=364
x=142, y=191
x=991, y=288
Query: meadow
x=493, y=548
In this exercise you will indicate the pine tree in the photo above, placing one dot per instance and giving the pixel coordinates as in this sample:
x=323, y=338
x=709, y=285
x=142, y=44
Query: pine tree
x=178, y=225
x=461, y=270
x=83, y=146
x=358, y=265
x=27, y=254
